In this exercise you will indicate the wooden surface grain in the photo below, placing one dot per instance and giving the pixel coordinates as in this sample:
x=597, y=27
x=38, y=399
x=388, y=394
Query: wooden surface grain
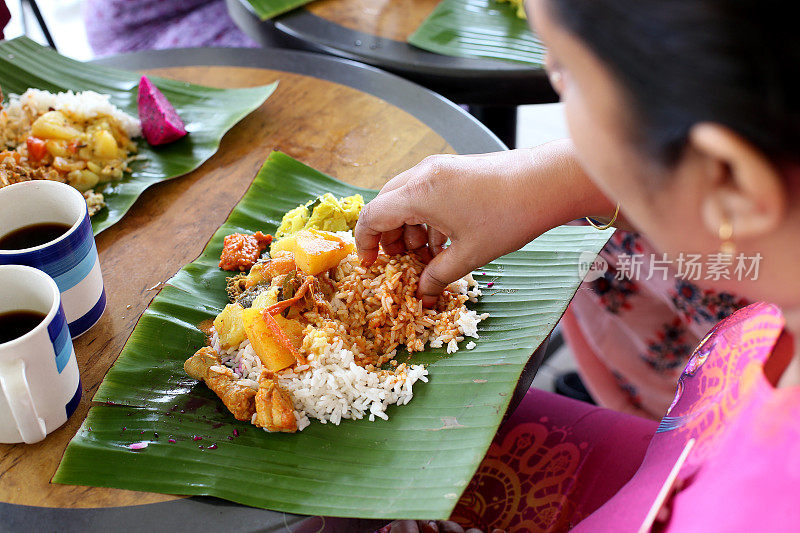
x=390, y=19
x=349, y=134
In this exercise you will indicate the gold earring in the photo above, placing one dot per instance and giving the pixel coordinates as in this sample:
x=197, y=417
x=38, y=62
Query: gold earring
x=604, y=226
x=727, y=245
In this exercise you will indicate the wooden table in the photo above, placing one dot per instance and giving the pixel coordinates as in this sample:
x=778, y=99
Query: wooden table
x=375, y=32
x=349, y=120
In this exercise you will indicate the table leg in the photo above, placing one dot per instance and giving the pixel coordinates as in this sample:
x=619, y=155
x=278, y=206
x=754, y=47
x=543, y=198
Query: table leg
x=502, y=120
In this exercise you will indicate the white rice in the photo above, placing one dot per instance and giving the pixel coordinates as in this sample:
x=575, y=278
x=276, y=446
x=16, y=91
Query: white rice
x=466, y=285
x=331, y=387
x=83, y=105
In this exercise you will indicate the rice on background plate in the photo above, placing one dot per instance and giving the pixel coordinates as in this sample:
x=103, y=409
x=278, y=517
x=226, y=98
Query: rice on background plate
x=77, y=138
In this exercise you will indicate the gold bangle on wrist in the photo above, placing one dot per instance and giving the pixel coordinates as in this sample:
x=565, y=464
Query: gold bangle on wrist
x=604, y=226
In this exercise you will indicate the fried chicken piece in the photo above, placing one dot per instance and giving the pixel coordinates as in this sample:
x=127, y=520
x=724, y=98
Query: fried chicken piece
x=239, y=399
x=206, y=365
x=274, y=409
x=318, y=297
x=198, y=364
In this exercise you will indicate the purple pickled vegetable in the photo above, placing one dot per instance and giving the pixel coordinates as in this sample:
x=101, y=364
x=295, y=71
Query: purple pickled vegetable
x=160, y=122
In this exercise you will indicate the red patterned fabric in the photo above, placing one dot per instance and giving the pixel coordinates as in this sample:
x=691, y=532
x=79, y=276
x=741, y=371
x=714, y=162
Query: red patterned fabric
x=552, y=463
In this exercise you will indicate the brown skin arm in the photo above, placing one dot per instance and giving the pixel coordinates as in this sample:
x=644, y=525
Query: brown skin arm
x=504, y=201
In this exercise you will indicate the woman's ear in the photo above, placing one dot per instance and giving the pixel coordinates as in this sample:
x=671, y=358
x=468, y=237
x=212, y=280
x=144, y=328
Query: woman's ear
x=744, y=189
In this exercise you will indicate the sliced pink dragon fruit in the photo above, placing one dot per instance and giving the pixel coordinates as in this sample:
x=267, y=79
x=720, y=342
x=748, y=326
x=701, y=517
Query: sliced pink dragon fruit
x=160, y=122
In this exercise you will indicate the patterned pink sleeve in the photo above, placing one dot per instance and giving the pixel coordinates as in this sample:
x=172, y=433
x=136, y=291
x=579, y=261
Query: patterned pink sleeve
x=721, y=387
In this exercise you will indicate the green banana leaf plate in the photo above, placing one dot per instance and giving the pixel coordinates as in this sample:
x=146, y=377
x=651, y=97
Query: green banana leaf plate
x=267, y=9
x=479, y=28
x=415, y=465
x=208, y=113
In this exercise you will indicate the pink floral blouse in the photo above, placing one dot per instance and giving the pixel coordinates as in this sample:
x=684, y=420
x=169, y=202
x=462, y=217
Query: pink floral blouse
x=631, y=335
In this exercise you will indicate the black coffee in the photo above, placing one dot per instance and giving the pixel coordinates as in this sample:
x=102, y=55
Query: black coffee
x=15, y=324
x=33, y=235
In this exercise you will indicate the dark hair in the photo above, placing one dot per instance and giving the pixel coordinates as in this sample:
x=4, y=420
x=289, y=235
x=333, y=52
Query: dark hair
x=733, y=62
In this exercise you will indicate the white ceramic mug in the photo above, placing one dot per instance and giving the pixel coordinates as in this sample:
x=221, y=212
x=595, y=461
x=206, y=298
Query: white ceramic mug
x=71, y=260
x=40, y=386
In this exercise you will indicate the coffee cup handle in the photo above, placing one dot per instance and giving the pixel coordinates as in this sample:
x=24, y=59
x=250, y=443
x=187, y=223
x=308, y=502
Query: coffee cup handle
x=18, y=396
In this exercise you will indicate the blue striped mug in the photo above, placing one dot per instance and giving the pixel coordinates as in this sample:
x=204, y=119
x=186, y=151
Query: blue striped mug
x=71, y=259
x=40, y=386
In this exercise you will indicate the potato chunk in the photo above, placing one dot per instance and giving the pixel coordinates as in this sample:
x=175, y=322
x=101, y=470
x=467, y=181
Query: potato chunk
x=229, y=326
x=273, y=354
x=105, y=146
x=266, y=298
x=314, y=251
x=57, y=148
x=53, y=125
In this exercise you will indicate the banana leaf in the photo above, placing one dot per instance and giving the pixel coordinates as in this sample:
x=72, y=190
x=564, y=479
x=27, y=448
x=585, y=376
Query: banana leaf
x=208, y=113
x=267, y=9
x=415, y=465
x=479, y=28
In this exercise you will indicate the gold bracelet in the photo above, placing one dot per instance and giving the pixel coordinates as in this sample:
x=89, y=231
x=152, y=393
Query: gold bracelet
x=604, y=226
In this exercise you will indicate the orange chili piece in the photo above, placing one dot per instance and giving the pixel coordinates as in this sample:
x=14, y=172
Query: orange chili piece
x=278, y=333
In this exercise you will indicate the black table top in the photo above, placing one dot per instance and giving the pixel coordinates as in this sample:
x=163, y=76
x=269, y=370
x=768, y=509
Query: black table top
x=479, y=81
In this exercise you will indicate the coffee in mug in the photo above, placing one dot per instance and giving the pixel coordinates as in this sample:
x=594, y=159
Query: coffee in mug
x=39, y=381
x=45, y=224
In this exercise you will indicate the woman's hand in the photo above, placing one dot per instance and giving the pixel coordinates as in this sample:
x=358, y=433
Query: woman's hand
x=487, y=205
